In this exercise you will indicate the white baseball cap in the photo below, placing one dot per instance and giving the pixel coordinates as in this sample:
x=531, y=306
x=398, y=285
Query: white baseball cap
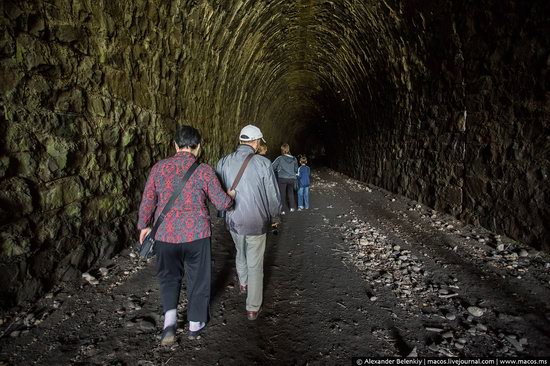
x=251, y=133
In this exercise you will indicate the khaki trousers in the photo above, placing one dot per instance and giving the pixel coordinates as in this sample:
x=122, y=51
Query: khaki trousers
x=250, y=267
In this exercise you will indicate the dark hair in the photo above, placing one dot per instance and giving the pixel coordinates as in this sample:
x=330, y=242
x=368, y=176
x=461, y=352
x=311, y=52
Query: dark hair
x=285, y=149
x=187, y=136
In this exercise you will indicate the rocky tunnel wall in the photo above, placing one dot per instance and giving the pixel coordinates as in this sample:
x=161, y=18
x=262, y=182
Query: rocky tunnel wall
x=444, y=102
x=455, y=113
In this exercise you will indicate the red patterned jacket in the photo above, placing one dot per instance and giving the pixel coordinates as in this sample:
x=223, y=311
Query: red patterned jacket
x=188, y=219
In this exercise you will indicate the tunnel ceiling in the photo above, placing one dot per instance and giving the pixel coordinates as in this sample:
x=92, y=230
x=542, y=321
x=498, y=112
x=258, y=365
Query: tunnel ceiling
x=279, y=62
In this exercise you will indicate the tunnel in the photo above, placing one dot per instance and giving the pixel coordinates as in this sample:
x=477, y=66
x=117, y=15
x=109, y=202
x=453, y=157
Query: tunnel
x=445, y=103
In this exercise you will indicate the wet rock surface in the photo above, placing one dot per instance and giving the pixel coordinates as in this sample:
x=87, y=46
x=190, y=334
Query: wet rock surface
x=361, y=273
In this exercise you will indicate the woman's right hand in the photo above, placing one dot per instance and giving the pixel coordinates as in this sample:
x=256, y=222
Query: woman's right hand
x=143, y=234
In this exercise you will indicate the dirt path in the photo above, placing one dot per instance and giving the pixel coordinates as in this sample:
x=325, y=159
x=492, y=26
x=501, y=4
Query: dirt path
x=363, y=273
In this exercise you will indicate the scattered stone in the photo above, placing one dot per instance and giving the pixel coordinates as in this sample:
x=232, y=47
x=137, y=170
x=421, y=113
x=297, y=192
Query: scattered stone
x=147, y=325
x=413, y=353
x=364, y=241
x=513, y=341
x=91, y=279
x=373, y=298
x=448, y=334
x=396, y=248
x=450, y=316
x=523, y=253
x=15, y=334
x=104, y=271
x=145, y=363
x=132, y=254
x=459, y=346
x=475, y=311
x=523, y=341
x=433, y=347
x=446, y=352
x=434, y=329
x=461, y=340
x=481, y=327
x=29, y=320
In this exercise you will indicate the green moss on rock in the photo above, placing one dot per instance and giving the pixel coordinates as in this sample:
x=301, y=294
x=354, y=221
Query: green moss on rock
x=4, y=165
x=59, y=150
x=12, y=241
x=48, y=228
x=17, y=138
x=128, y=137
x=61, y=192
x=16, y=197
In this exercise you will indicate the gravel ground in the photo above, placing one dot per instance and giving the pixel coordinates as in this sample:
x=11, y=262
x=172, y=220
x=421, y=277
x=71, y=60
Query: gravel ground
x=364, y=272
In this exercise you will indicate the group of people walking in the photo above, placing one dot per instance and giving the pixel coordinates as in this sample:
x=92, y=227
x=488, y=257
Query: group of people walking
x=248, y=187
x=292, y=177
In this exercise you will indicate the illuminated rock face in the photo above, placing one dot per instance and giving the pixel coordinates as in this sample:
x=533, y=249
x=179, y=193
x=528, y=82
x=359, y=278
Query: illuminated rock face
x=445, y=102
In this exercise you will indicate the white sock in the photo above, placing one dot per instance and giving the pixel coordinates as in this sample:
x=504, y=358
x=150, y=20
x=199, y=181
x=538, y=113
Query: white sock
x=170, y=318
x=194, y=326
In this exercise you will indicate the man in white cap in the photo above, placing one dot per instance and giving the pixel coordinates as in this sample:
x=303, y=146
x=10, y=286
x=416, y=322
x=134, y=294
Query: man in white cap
x=257, y=203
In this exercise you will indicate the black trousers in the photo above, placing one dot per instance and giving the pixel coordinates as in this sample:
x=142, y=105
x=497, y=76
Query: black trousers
x=286, y=187
x=171, y=260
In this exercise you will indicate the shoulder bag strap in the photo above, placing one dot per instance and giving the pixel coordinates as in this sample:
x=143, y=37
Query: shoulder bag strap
x=177, y=192
x=241, y=171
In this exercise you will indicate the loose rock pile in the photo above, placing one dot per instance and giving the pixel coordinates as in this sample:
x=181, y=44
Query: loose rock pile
x=451, y=326
x=22, y=321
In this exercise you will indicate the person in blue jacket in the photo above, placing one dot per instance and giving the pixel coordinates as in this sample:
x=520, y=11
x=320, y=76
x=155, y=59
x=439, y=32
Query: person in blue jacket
x=303, y=184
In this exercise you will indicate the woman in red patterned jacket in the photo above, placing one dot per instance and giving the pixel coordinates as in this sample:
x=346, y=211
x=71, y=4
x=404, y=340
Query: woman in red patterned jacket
x=183, y=238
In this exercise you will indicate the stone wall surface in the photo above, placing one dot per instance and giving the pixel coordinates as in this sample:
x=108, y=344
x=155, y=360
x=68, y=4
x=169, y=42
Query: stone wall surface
x=86, y=109
x=445, y=102
x=455, y=113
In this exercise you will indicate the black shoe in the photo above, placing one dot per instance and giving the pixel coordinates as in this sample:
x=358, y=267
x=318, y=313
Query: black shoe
x=168, y=336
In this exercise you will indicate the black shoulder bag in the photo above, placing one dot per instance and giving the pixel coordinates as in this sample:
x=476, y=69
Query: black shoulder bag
x=147, y=249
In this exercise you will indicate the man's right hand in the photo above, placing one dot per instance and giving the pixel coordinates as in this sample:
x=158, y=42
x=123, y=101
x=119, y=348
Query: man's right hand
x=276, y=221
